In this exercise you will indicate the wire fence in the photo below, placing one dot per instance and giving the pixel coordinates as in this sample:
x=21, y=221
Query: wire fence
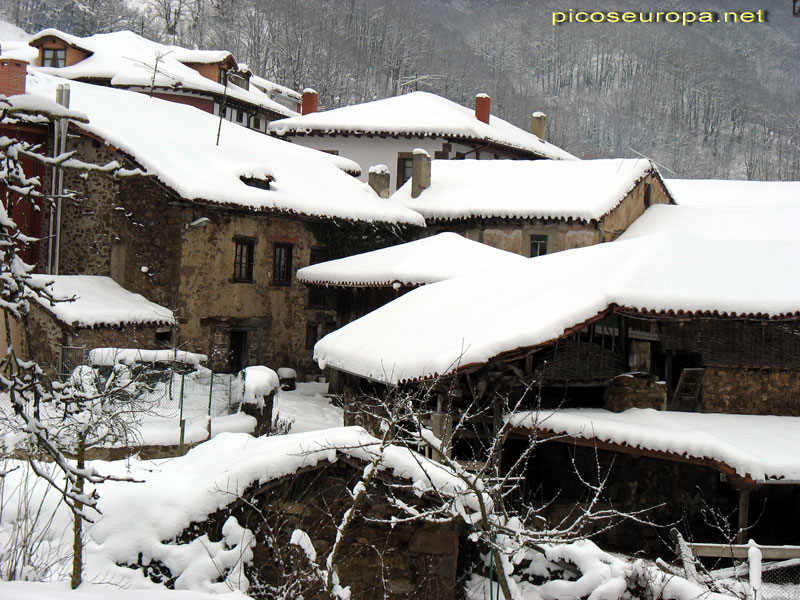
x=781, y=581
x=177, y=406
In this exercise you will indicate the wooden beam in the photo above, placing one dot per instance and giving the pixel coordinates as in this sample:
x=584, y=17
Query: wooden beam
x=740, y=551
x=744, y=516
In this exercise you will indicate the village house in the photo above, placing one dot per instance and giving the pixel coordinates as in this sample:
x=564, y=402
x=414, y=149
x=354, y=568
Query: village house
x=210, y=80
x=532, y=207
x=207, y=219
x=690, y=311
x=364, y=282
x=387, y=131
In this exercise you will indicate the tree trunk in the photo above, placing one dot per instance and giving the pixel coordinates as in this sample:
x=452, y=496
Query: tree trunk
x=77, y=528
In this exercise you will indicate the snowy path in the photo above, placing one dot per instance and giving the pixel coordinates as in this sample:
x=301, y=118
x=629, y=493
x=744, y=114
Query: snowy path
x=309, y=408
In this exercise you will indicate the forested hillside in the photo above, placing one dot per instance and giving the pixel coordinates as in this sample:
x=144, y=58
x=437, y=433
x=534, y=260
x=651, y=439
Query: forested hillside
x=707, y=100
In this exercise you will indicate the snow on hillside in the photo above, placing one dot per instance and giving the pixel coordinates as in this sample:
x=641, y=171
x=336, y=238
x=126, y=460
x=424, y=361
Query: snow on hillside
x=10, y=32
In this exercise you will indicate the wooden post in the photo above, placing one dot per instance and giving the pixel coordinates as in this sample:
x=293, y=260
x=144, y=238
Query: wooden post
x=744, y=510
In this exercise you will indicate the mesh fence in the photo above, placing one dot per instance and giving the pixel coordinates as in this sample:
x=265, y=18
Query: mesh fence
x=781, y=581
x=173, y=398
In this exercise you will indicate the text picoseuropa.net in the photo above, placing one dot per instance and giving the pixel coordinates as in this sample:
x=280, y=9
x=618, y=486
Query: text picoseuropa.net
x=684, y=18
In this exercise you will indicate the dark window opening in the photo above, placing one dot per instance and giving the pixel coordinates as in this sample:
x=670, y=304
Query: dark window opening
x=405, y=163
x=243, y=262
x=239, y=354
x=240, y=116
x=54, y=57
x=282, y=265
x=318, y=296
x=222, y=76
x=260, y=183
x=538, y=245
x=333, y=152
x=256, y=123
x=164, y=335
x=647, y=198
x=312, y=335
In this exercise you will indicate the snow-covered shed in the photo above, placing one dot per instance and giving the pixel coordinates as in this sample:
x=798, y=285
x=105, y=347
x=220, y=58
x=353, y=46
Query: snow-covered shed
x=206, y=79
x=387, y=131
x=78, y=313
x=363, y=282
x=729, y=192
x=207, y=217
x=534, y=207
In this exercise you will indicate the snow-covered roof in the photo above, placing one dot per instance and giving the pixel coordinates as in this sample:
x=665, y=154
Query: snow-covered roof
x=722, y=192
x=178, y=145
x=756, y=447
x=414, y=263
x=419, y=114
x=584, y=190
x=469, y=320
x=128, y=60
x=270, y=87
x=95, y=301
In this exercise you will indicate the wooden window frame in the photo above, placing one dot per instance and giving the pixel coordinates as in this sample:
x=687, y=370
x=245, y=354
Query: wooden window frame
x=538, y=239
x=400, y=177
x=244, y=259
x=57, y=55
x=282, y=274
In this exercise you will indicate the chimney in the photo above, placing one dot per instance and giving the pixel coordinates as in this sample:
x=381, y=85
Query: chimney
x=12, y=76
x=310, y=101
x=420, y=172
x=379, y=180
x=539, y=125
x=483, y=105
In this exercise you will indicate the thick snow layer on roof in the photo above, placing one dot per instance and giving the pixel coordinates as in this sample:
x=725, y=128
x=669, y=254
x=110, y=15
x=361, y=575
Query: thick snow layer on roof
x=270, y=87
x=765, y=223
x=17, y=50
x=418, y=113
x=755, y=446
x=722, y=192
x=415, y=263
x=528, y=189
x=174, y=493
x=127, y=59
x=94, y=301
x=177, y=144
x=470, y=319
x=10, y=32
x=42, y=106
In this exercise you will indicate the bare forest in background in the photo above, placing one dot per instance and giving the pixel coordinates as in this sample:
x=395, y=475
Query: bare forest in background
x=707, y=100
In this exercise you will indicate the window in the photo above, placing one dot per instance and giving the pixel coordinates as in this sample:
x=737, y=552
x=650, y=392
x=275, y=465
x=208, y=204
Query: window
x=164, y=334
x=239, y=116
x=243, y=263
x=647, y=193
x=405, y=162
x=222, y=76
x=256, y=123
x=538, y=245
x=54, y=57
x=317, y=294
x=282, y=265
x=262, y=184
x=312, y=335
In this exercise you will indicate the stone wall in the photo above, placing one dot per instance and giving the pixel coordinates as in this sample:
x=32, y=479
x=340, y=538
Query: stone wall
x=637, y=390
x=751, y=391
x=403, y=561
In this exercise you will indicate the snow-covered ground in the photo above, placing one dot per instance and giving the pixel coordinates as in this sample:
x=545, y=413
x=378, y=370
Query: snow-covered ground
x=30, y=590
x=308, y=407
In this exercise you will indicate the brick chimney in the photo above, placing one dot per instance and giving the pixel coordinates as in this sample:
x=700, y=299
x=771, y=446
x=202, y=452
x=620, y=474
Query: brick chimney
x=379, y=177
x=12, y=76
x=539, y=125
x=483, y=105
x=420, y=172
x=310, y=101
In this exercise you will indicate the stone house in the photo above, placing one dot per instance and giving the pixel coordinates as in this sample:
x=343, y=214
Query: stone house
x=93, y=312
x=210, y=80
x=688, y=312
x=388, y=131
x=536, y=207
x=214, y=231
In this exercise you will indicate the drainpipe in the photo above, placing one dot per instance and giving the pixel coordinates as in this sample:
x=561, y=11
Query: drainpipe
x=59, y=147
